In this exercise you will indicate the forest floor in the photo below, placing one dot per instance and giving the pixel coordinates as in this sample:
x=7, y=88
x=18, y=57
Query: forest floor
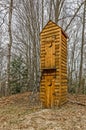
x=16, y=113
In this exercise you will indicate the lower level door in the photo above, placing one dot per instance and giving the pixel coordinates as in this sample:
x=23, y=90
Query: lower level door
x=50, y=86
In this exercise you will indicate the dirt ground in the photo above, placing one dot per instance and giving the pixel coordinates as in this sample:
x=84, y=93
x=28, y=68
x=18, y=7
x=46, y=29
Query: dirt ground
x=16, y=113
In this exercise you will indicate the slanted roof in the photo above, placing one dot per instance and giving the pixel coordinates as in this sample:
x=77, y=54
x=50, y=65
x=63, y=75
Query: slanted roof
x=51, y=22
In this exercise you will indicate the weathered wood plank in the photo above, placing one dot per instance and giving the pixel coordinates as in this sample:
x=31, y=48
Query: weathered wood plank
x=55, y=31
x=44, y=40
x=48, y=29
x=46, y=37
x=63, y=38
x=64, y=47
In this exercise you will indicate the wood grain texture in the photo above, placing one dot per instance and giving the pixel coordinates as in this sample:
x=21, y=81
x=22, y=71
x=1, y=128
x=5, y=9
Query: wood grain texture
x=53, y=58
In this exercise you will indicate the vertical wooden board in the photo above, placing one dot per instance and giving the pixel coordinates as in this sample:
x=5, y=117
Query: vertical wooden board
x=52, y=91
x=50, y=88
x=50, y=55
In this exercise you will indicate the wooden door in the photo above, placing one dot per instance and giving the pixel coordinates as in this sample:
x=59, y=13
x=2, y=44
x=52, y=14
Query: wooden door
x=50, y=86
x=50, y=55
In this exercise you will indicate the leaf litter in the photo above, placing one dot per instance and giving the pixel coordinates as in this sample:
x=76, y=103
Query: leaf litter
x=17, y=114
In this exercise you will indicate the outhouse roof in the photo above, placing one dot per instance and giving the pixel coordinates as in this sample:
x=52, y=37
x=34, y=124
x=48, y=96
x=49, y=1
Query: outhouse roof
x=50, y=21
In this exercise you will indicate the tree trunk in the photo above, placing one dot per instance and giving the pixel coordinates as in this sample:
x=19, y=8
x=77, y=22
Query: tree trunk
x=42, y=12
x=81, y=58
x=9, y=46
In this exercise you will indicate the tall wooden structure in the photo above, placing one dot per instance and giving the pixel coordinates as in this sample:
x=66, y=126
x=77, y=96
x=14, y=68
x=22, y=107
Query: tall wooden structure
x=53, y=65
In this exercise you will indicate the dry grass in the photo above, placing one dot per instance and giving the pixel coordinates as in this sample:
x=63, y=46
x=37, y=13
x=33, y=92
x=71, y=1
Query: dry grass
x=17, y=114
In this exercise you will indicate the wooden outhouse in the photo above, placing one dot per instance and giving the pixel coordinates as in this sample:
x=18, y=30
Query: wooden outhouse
x=53, y=65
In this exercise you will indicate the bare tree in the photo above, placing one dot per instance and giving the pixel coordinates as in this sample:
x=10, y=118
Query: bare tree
x=82, y=46
x=29, y=17
x=9, y=45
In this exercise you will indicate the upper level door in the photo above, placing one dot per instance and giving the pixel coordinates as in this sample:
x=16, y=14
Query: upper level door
x=50, y=55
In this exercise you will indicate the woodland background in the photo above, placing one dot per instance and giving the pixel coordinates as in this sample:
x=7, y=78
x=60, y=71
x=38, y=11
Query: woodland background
x=21, y=22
